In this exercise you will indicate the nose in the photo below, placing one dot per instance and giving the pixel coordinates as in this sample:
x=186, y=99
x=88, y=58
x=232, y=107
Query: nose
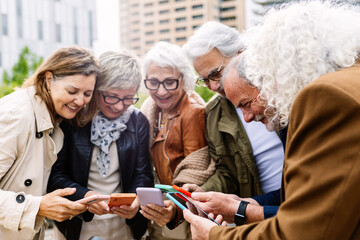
x=119, y=106
x=214, y=85
x=248, y=116
x=161, y=90
x=79, y=101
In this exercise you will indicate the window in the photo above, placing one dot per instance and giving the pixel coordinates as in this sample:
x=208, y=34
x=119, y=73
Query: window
x=180, y=9
x=180, y=29
x=148, y=14
x=19, y=18
x=91, y=36
x=164, y=11
x=194, y=26
x=40, y=30
x=4, y=23
x=180, y=39
x=226, y=9
x=179, y=0
x=163, y=2
x=165, y=21
x=135, y=22
x=135, y=39
x=75, y=28
x=197, y=16
x=149, y=33
x=164, y=30
x=58, y=32
x=181, y=19
x=149, y=42
x=148, y=4
x=227, y=18
x=197, y=6
x=149, y=23
x=165, y=40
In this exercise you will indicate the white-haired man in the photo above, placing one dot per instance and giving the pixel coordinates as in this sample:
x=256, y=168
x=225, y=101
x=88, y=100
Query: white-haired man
x=248, y=158
x=302, y=69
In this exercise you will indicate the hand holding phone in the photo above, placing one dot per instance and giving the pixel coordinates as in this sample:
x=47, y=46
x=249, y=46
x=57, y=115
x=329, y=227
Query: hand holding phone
x=150, y=195
x=93, y=199
x=177, y=198
x=118, y=199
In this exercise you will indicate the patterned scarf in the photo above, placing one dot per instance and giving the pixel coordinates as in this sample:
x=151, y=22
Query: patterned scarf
x=104, y=131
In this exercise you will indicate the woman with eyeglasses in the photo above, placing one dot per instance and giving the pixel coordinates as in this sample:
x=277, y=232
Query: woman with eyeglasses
x=108, y=155
x=177, y=123
x=60, y=90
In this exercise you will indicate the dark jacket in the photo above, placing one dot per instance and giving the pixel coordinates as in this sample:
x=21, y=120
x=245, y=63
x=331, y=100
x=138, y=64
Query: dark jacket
x=73, y=166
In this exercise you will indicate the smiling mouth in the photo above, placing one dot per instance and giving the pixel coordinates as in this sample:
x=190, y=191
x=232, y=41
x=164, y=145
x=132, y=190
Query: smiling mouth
x=72, y=108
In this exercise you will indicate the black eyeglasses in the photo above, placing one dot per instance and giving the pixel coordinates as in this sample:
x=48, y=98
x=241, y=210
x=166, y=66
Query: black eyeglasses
x=112, y=100
x=213, y=76
x=168, y=84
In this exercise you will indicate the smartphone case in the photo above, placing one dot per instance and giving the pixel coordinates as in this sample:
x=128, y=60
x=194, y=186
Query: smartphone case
x=150, y=195
x=118, y=199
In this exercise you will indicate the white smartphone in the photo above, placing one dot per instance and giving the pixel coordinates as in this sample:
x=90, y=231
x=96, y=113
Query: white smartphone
x=150, y=195
x=93, y=199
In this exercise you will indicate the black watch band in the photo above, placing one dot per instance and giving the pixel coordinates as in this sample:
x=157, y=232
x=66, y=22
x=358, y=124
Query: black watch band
x=240, y=218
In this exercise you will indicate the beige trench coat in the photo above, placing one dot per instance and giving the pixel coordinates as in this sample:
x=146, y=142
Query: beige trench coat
x=27, y=153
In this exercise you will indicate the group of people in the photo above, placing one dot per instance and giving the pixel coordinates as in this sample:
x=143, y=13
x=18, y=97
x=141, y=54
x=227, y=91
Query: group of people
x=275, y=152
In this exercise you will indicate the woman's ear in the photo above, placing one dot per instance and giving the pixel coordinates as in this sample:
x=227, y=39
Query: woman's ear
x=48, y=77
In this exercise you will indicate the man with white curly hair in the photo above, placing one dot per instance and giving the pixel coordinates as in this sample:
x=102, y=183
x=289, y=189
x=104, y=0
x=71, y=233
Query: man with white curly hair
x=302, y=69
x=248, y=158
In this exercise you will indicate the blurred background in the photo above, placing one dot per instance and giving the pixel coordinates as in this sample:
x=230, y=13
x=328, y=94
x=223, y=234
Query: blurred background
x=30, y=30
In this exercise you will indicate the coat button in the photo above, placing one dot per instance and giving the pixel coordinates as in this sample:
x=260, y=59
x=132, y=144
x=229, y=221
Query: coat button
x=20, y=198
x=162, y=136
x=28, y=182
x=39, y=134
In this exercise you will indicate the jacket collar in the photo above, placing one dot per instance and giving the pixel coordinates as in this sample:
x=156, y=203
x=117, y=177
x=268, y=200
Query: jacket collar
x=42, y=115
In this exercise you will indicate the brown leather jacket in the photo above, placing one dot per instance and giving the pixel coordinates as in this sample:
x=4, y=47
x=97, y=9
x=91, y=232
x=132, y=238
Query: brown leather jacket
x=182, y=134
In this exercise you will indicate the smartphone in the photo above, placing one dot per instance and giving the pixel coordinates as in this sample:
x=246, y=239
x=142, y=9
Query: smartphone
x=180, y=200
x=150, y=195
x=118, y=199
x=93, y=199
x=183, y=191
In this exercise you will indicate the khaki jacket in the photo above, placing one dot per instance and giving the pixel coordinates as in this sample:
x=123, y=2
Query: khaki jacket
x=321, y=174
x=27, y=154
x=236, y=170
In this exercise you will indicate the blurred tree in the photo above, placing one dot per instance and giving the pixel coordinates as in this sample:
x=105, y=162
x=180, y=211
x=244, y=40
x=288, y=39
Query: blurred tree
x=26, y=65
x=204, y=92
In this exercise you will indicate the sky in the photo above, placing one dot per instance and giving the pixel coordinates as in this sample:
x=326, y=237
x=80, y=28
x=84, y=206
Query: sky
x=108, y=32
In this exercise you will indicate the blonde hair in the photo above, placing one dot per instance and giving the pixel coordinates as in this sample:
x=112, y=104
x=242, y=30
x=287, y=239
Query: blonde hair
x=64, y=62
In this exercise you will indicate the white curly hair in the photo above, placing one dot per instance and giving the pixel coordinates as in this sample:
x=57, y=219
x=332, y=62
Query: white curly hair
x=296, y=45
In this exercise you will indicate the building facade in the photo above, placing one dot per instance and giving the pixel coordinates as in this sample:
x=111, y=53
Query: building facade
x=44, y=26
x=145, y=22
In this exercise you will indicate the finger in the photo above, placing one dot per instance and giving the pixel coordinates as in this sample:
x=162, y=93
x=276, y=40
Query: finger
x=224, y=224
x=201, y=196
x=219, y=218
x=189, y=216
x=64, y=192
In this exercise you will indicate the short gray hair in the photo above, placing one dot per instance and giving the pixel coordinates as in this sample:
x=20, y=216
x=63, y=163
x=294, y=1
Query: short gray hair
x=120, y=69
x=212, y=35
x=167, y=55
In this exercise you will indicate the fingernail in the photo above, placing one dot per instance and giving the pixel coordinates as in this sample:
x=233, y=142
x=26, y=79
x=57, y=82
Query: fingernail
x=194, y=195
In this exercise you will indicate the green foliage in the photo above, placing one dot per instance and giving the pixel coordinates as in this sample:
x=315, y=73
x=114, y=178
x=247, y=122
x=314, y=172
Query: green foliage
x=28, y=62
x=204, y=92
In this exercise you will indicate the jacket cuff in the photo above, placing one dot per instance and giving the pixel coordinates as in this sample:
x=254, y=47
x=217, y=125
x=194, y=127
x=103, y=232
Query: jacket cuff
x=23, y=214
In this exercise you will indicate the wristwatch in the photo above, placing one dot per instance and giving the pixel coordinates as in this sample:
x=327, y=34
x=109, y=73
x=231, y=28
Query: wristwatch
x=240, y=218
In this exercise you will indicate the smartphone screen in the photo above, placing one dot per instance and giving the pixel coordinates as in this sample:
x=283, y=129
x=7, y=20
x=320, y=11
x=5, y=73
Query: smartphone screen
x=180, y=200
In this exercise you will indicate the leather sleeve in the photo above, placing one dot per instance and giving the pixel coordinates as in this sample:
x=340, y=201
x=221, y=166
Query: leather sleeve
x=321, y=170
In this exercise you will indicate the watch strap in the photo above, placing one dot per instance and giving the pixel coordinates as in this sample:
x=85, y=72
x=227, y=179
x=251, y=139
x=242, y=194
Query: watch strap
x=240, y=217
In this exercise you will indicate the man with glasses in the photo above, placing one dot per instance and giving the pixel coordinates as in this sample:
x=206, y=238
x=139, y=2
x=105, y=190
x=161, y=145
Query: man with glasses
x=248, y=158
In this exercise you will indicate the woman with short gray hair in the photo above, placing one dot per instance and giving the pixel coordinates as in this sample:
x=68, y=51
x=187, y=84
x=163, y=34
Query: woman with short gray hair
x=177, y=127
x=108, y=155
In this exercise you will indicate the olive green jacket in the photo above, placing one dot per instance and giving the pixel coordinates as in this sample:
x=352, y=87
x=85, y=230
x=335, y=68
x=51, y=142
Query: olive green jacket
x=230, y=147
